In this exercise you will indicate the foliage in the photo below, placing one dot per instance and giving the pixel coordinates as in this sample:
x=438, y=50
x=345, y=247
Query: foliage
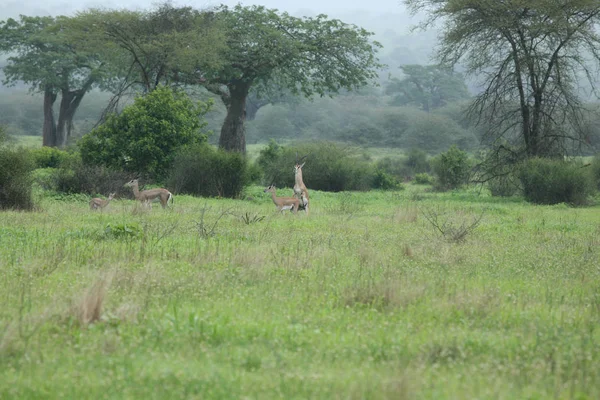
x=395, y=166
x=595, y=166
x=424, y=179
x=202, y=170
x=503, y=185
x=50, y=157
x=417, y=161
x=75, y=176
x=146, y=135
x=166, y=45
x=452, y=169
x=552, y=181
x=15, y=179
x=50, y=58
x=529, y=68
x=329, y=167
x=267, y=49
x=427, y=86
x=385, y=181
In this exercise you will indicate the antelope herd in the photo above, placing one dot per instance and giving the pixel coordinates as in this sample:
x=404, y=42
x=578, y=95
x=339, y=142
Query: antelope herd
x=299, y=201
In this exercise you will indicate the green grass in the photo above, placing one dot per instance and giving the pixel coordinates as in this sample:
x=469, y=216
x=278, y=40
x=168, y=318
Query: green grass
x=361, y=299
x=27, y=141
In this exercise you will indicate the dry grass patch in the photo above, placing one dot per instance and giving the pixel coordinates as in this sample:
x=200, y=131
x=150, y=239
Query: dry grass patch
x=88, y=308
x=383, y=295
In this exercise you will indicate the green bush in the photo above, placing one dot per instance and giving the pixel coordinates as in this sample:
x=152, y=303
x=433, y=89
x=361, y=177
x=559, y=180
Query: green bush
x=424, y=179
x=552, y=181
x=50, y=157
x=15, y=179
x=385, y=181
x=145, y=137
x=452, y=169
x=205, y=171
x=503, y=186
x=329, y=166
x=417, y=161
x=76, y=177
x=595, y=170
x=394, y=166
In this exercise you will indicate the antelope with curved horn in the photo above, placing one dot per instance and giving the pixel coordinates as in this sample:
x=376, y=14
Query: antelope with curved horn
x=98, y=203
x=146, y=197
x=283, y=203
x=300, y=190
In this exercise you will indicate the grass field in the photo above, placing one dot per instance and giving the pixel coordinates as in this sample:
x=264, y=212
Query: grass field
x=361, y=299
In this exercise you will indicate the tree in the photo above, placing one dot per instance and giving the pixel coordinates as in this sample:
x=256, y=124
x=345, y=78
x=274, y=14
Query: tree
x=428, y=86
x=529, y=55
x=146, y=135
x=164, y=46
x=51, y=61
x=303, y=55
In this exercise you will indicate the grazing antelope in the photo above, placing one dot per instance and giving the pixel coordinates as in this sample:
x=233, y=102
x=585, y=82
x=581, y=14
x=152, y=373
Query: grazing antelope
x=146, y=197
x=98, y=203
x=300, y=190
x=283, y=203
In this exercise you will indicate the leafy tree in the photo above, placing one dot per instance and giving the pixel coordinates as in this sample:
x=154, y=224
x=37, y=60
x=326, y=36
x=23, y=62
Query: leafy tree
x=164, y=46
x=529, y=55
x=303, y=55
x=146, y=135
x=51, y=61
x=427, y=86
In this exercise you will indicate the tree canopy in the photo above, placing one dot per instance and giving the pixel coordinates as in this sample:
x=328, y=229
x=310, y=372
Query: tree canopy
x=51, y=61
x=267, y=49
x=427, y=86
x=529, y=55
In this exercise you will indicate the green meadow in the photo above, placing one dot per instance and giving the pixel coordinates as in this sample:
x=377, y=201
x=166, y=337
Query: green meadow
x=379, y=295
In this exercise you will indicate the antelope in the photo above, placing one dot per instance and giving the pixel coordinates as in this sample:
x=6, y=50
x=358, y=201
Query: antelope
x=146, y=197
x=300, y=190
x=283, y=203
x=98, y=203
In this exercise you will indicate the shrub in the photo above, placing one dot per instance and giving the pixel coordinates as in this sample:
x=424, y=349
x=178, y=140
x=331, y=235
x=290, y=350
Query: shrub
x=15, y=179
x=329, y=167
x=552, y=181
x=145, y=137
x=452, y=169
x=385, y=181
x=417, y=161
x=395, y=167
x=205, y=171
x=595, y=166
x=424, y=179
x=50, y=157
x=76, y=177
x=503, y=186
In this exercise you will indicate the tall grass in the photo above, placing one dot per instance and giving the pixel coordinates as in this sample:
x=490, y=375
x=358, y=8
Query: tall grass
x=361, y=299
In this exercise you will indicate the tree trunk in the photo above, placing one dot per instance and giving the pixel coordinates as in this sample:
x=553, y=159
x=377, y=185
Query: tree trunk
x=49, y=129
x=68, y=106
x=233, y=132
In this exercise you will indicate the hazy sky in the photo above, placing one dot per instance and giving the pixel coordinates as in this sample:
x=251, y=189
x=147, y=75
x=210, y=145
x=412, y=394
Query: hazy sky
x=29, y=7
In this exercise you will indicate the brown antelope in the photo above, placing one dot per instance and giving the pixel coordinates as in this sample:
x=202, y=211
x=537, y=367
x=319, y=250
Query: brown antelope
x=283, y=203
x=98, y=203
x=146, y=197
x=300, y=190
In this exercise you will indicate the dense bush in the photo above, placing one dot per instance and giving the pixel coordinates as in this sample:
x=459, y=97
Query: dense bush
x=452, y=169
x=595, y=171
x=417, y=161
x=552, y=181
x=385, y=181
x=503, y=186
x=424, y=179
x=76, y=177
x=205, y=171
x=144, y=138
x=395, y=166
x=50, y=157
x=329, y=166
x=15, y=179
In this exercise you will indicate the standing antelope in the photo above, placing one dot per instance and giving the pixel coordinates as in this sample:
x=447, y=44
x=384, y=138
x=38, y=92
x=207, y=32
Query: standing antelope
x=300, y=190
x=98, y=203
x=283, y=203
x=146, y=197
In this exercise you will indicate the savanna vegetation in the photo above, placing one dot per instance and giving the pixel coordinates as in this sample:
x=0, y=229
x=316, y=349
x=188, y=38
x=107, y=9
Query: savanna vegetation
x=453, y=240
